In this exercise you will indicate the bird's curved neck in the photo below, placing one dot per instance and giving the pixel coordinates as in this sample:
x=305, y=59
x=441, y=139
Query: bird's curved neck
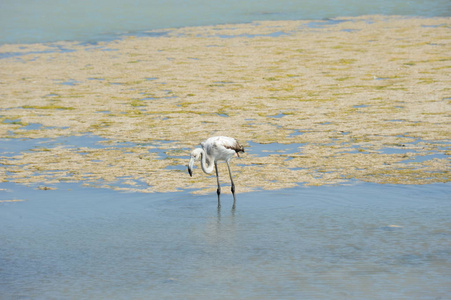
x=207, y=167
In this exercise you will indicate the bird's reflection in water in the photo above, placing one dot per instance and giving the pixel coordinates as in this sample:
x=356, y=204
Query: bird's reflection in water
x=218, y=209
x=219, y=232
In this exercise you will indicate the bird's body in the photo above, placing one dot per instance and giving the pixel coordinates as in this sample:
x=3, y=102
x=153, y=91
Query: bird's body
x=221, y=148
x=214, y=149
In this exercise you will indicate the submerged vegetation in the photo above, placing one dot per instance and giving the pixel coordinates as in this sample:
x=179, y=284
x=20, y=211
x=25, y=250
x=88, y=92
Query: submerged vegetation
x=357, y=103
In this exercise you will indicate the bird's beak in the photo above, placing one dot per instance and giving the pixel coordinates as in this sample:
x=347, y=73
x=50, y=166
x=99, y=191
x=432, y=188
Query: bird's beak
x=191, y=166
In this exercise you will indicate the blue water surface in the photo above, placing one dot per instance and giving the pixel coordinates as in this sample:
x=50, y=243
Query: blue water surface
x=360, y=241
x=28, y=21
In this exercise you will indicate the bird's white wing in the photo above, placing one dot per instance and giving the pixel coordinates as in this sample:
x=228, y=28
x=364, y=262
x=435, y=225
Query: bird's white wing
x=221, y=144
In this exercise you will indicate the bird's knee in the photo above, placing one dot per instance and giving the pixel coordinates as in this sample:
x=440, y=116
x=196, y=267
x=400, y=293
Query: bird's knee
x=218, y=191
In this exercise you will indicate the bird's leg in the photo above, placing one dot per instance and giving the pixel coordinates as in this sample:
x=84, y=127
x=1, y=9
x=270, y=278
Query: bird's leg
x=233, y=185
x=218, y=191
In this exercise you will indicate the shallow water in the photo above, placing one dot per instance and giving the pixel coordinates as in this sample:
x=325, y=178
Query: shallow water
x=362, y=241
x=28, y=21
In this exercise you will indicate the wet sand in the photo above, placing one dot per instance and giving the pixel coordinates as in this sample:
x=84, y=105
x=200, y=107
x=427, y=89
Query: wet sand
x=363, y=98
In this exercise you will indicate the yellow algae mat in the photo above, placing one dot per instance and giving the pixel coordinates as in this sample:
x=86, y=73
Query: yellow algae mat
x=363, y=98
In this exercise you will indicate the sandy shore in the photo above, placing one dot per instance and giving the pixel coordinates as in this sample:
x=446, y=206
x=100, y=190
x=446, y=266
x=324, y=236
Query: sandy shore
x=368, y=98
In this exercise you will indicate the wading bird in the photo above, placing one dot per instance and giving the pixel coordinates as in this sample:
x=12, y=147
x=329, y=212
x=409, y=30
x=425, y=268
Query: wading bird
x=214, y=149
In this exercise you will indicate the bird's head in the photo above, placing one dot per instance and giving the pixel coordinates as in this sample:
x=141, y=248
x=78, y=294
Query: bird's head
x=196, y=154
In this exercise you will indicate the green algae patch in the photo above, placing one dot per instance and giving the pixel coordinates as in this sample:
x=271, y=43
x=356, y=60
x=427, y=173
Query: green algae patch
x=368, y=98
x=47, y=107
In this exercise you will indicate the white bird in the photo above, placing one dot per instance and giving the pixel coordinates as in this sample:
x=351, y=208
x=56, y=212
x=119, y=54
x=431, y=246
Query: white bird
x=214, y=149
